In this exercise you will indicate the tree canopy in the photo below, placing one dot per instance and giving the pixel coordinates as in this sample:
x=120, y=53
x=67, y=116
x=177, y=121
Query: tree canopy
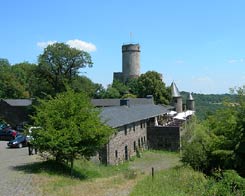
x=151, y=83
x=70, y=126
x=60, y=63
x=11, y=87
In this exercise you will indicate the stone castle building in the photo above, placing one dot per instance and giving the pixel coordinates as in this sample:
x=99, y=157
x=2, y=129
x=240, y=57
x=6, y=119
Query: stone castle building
x=130, y=63
x=139, y=123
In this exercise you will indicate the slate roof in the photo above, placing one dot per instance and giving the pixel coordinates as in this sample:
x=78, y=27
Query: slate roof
x=116, y=102
x=175, y=90
x=18, y=102
x=121, y=115
x=190, y=97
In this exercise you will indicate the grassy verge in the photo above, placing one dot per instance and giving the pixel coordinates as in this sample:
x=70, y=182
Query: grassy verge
x=184, y=181
x=178, y=181
x=93, y=179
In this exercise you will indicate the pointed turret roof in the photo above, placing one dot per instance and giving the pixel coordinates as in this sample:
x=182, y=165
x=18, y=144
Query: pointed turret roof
x=190, y=97
x=174, y=90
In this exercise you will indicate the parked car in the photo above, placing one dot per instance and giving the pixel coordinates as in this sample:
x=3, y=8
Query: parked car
x=3, y=126
x=20, y=141
x=7, y=134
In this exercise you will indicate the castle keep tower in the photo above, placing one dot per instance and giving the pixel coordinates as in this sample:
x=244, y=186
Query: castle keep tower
x=130, y=61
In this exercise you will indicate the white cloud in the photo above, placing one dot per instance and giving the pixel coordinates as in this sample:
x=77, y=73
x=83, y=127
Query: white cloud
x=78, y=44
x=179, y=61
x=81, y=45
x=45, y=44
x=232, y=61
x=203, y=79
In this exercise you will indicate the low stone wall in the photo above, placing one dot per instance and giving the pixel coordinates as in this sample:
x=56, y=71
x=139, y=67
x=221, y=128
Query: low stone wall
x=164, y=138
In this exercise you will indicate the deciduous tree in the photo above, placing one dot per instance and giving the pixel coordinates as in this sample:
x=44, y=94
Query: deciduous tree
x=71, y=127
x=60, y=63
x=151, y=83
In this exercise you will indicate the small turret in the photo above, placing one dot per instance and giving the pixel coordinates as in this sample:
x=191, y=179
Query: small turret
x=177, y=99
x=190, y=102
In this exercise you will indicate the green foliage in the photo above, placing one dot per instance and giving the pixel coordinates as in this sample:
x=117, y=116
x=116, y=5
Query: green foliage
x=195, y=147
x=84, y=84
x=24, y=73
x=111, y=92
x=4, y=62
x=83, y=169
x=71, y=126
x=128, y=96
x=151, y=83
x=96, y=170
x=177, y=181
x=217, y=142
x=132, y=85
x=117, y=90
x=60, y=63
x=122, y=88
x=225, y=184
x=11, y=87
x=185, y=181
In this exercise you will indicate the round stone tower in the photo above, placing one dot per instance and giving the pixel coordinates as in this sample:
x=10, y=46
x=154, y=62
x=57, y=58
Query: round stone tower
x=176, y=98
x=190, y=102
x=130, y=61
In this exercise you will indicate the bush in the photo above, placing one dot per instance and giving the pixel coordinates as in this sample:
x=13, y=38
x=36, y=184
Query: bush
x=226, y=183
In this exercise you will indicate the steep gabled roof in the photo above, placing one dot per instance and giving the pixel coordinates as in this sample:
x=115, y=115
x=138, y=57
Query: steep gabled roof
x=122, y=115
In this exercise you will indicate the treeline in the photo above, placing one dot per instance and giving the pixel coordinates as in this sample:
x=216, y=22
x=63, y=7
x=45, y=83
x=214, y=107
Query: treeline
x=60, y=66
x=207, y=104
x=57, y=67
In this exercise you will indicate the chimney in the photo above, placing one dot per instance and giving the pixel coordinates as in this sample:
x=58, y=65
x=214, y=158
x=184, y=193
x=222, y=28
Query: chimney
x=124, y=102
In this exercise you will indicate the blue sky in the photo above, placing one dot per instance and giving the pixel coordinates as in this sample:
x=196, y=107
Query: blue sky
x=198, y=44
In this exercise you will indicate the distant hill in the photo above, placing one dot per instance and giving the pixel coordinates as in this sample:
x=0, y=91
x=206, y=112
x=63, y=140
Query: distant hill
x=207, y=104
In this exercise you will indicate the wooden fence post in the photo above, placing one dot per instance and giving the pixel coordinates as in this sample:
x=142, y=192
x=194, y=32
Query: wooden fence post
x=152, y=173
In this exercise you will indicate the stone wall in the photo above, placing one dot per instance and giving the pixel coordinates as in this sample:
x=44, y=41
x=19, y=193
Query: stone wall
x=164, y=138
x=123, y=144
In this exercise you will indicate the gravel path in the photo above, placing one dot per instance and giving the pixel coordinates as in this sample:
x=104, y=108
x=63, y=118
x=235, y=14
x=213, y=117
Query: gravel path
x=14, y=182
